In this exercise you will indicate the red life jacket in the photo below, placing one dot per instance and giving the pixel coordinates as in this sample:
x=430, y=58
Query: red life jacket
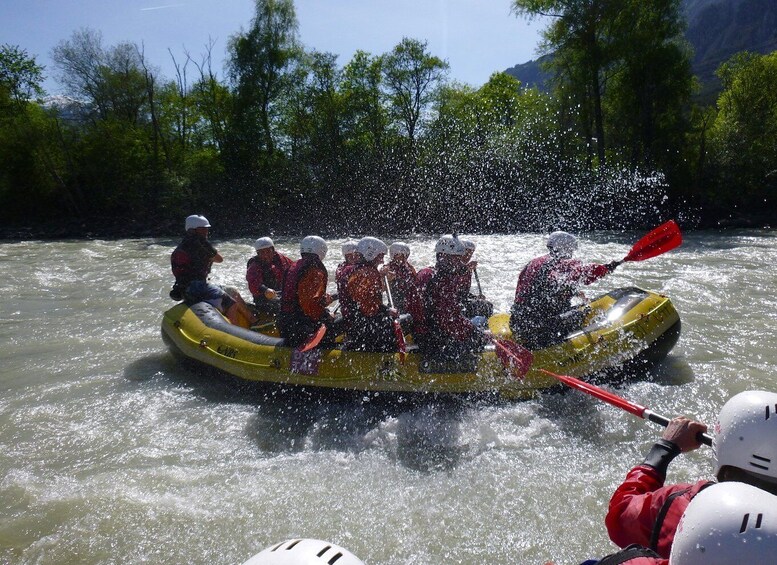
x=407, y=295
x=373, y=301
x=444, y=312
x=290, y=295
x=192, y=260
x=347, y=304
x=423, y=277
x=665, y=526
x=270, y=275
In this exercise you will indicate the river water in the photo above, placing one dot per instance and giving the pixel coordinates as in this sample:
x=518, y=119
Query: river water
x=112, y=453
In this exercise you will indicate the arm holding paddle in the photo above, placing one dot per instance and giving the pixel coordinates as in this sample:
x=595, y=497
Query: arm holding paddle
x=627, y=405
x=659, y=240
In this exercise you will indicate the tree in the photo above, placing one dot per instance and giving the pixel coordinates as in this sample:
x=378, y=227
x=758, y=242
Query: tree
x=743, y=151
x=366, y=117
x=579, y=39
x=651, y=83
x=411, y=75
x=261, y=62
x=20, y=75
x=31, y=185
x=113, y=82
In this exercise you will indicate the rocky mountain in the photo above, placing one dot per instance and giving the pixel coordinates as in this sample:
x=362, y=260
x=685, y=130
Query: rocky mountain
x=717, y=29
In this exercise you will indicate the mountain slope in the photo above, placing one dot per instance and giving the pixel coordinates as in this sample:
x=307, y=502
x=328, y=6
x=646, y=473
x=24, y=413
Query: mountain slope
x=717, y=29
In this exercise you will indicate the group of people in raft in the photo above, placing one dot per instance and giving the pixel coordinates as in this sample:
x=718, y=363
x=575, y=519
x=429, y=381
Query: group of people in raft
x=731, y=520
x=436, y=305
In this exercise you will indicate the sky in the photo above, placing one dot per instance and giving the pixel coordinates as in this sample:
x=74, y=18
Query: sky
x=476, y=37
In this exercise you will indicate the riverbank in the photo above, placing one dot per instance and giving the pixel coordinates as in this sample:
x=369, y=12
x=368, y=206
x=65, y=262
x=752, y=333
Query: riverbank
x=115, y=228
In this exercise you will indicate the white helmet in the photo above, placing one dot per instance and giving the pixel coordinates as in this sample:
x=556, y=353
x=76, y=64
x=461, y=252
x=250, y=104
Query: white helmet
x=349, y=247
x=449, y=245
x=263, y=243
x=562, y=243
x=746, y=434
x=304, y=552
x=194, y=221
x=727, y=523
x=468, y=244
x=313, y=244
x=371, y=247
x=399, y=248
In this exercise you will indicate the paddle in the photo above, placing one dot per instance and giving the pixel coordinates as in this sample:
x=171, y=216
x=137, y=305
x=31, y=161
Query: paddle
x=664, y=238
x=398, y=333
x=622, y=403
x=314, y=340
x=477, y=280
x=514, y=357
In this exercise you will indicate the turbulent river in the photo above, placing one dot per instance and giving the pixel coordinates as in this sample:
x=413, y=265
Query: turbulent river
x=112, y=453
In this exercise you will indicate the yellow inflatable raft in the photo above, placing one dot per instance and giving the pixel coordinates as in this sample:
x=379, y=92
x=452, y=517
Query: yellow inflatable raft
x=627, y=327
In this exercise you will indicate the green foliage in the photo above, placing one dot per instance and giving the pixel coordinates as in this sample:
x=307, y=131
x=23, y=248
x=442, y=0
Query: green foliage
x=411, y=75
x=261, y=66
x=20, y=75
x=743, y=146
x=294, y=142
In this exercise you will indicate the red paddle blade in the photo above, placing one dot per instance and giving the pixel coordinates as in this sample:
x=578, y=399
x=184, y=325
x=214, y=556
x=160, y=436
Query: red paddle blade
x=600, y=393
x=314, y=340
x=516, y=358
x=662, y=239
x=401, y=344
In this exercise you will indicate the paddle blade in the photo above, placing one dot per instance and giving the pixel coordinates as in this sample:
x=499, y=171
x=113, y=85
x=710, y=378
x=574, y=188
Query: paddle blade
x=664, y=238
x=401, y=344
x=514, y=357
x=314, y=340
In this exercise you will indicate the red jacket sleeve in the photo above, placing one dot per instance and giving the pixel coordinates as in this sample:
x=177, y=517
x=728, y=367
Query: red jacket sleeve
x=635, y=505
x=576, y=272
x=254, y=278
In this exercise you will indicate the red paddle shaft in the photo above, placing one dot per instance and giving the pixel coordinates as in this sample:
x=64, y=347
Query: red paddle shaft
x=622, y=403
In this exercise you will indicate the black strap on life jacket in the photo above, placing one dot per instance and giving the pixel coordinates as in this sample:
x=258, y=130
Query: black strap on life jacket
x=655, y=535
x=632, y=552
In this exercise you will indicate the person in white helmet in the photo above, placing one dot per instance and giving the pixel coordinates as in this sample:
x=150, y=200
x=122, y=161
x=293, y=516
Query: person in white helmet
x=265, y=274
x=368, y=319
x=726, y=524
x=304, y=298
x=191, y=262
x=452, y=343
x=304, y=552
x=543, y=313
x=403, y=282
x=645, y=511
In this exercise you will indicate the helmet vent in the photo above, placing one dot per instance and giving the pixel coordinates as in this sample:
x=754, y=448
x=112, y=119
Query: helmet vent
x=292, y=544
x=769, y=411
x=337, y=556
x=760, y=462
x=746, y=519
x=323, y=551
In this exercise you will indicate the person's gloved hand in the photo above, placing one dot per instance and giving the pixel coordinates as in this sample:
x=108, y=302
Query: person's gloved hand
x=612, y=266
x=479, y=321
